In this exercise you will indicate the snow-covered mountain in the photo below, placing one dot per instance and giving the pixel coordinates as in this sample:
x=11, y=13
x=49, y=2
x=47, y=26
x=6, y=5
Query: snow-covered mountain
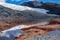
x=22, y=8
x=52, y=7
x=10, y=13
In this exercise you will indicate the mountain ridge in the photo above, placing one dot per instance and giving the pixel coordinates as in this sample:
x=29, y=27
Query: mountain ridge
x=23, y=14
x=52, y=7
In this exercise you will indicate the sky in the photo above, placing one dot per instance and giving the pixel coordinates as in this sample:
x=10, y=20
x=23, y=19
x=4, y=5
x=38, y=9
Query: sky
x=54, y=1
x=21, y=1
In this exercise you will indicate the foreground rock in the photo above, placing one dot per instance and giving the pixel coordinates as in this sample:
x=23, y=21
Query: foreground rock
x=40, y=37
x=35, y=33
x=36, y=30
x=41, y=32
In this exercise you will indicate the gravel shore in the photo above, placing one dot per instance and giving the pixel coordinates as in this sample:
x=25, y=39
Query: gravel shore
x=40, y=37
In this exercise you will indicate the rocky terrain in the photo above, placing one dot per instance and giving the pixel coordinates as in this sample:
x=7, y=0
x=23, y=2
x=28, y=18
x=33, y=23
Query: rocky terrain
x=10, y=17
x=41, y=32
x=30, y=24
x=52, y=7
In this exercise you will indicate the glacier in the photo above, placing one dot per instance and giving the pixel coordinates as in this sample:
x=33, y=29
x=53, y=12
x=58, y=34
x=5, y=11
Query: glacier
x=23, y=8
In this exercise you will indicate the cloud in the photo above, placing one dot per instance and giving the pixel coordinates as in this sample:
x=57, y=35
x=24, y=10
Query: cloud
x=2, y=0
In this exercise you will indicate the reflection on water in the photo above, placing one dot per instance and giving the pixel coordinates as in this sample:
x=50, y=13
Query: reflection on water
x=55, y=32
x=11, y=35
x=5, y=38
x=15, y=32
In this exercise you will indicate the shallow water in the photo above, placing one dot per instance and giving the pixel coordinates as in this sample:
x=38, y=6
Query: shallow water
x=57, y=32
x=11, y=35
x=15, y=32
x=5, y=38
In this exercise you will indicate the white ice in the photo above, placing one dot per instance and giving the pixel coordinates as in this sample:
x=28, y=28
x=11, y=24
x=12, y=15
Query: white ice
x=23, y=8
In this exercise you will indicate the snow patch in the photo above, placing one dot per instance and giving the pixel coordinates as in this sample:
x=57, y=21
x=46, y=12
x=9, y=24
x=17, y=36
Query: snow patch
x=16, y=27
x=16, y=32
x=25, y=26
x=42, y=23
x=23, y=8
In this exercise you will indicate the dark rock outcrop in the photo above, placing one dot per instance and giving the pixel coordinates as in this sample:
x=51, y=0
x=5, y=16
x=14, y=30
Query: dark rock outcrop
x=52, y=7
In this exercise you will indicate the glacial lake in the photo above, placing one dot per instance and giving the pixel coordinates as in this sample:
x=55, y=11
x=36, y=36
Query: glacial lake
x=57, y=32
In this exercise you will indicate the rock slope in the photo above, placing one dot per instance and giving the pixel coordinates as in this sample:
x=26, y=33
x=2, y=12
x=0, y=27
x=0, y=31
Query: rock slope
x=52, y=7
